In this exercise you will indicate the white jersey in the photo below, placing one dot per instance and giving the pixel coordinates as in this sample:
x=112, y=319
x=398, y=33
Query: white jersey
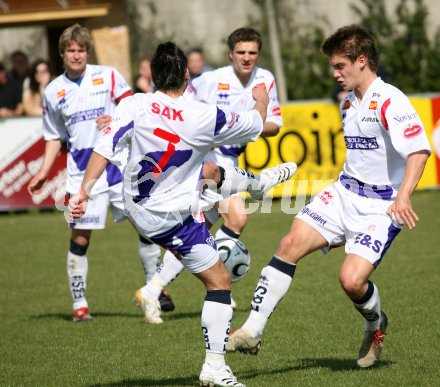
x=380, y=132
x=70, y=111
x=222, y=88
x=168, y=140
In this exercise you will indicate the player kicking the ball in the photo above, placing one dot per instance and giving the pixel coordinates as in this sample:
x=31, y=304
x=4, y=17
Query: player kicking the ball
x=365, y=209
x=168, y=138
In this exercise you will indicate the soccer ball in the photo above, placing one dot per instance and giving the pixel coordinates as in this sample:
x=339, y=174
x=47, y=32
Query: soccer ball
x=235, y=256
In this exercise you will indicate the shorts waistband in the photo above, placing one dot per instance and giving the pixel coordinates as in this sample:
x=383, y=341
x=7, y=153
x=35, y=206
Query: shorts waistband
x=384, y=192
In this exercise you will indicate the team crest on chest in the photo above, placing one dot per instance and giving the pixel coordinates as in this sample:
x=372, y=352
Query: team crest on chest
x=346, y=105
x=373, y=105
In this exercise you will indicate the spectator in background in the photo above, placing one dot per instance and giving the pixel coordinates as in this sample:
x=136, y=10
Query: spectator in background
x=10, y=95
x=34, y=85
x=20, y=66
x=196, y=62
x=144, y=81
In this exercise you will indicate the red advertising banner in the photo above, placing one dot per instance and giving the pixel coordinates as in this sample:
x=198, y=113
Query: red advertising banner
x=21, y=158
x=436, y=134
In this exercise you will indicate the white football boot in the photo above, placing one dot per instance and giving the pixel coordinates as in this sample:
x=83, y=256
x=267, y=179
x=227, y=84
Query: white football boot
x=271, y=177
x=242, y=341
x=150, y=306
x=221, y=378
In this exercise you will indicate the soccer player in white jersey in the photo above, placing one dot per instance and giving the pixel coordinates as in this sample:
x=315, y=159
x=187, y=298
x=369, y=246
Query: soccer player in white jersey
x=230, y=88
x=365, y=209
x=168, y=138
x=77, y=106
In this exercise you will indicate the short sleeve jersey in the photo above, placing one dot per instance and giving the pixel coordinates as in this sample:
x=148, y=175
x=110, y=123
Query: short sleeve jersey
x=380, y=132
x=222, y=88
x=69, y=113
x=168, y=139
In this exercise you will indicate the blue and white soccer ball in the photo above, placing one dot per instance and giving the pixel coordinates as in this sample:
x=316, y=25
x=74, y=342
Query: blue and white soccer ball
x=235, y=256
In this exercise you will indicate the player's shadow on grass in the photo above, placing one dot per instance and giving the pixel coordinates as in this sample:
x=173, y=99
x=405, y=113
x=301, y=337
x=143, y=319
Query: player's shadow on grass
x=68, y=317
x=182, y=381
x=332, y=364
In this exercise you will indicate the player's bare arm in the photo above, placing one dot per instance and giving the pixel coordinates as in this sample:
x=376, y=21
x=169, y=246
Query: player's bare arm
x=261, y=101
x=270, y=129
x=51, y=151
x=401, y=207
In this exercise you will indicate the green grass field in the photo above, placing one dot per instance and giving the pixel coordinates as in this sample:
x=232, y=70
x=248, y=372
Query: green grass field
x=312, y=339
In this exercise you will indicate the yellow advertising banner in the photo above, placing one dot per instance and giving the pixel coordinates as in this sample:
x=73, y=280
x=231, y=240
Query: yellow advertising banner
x=423, y=106
x=312, y=137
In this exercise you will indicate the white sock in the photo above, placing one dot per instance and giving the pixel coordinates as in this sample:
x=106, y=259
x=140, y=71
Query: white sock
x=149, y=254
x=170, y=268
x=239, y=180
x=273, y=284
x=370, y=309
x=221, y=234
x=77, y=268
x=215, y=360
x=216, y=321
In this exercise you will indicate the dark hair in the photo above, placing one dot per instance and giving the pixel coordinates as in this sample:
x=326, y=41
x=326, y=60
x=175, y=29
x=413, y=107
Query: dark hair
x=244, y=34
x=352, y=41
x=168, y=67
x=18, y=53
x=34, y=85
x=2, y=67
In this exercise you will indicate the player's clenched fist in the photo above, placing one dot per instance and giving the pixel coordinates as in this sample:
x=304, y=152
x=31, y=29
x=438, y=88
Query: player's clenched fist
x=78, y=205
x=260, y=94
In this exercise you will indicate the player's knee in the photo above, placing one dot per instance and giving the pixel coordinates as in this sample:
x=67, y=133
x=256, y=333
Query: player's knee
x=237, y=222
x=286, y=246
x=352, y=286
x=81, y=237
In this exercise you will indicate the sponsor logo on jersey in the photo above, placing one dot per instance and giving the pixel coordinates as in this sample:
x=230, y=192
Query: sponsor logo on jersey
x=223, y=86
x=85, y=115
x=233, y=120
x=221, y=102
x=370, y=119
x=98, y=81
x=276, y=111
x=373, y=105
x=325, y=197
x=223, y=95
x=406, y=117
x=412, y=131
x=99, y=92
x=346, y=105
x=356, y=142
x=61, y=94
